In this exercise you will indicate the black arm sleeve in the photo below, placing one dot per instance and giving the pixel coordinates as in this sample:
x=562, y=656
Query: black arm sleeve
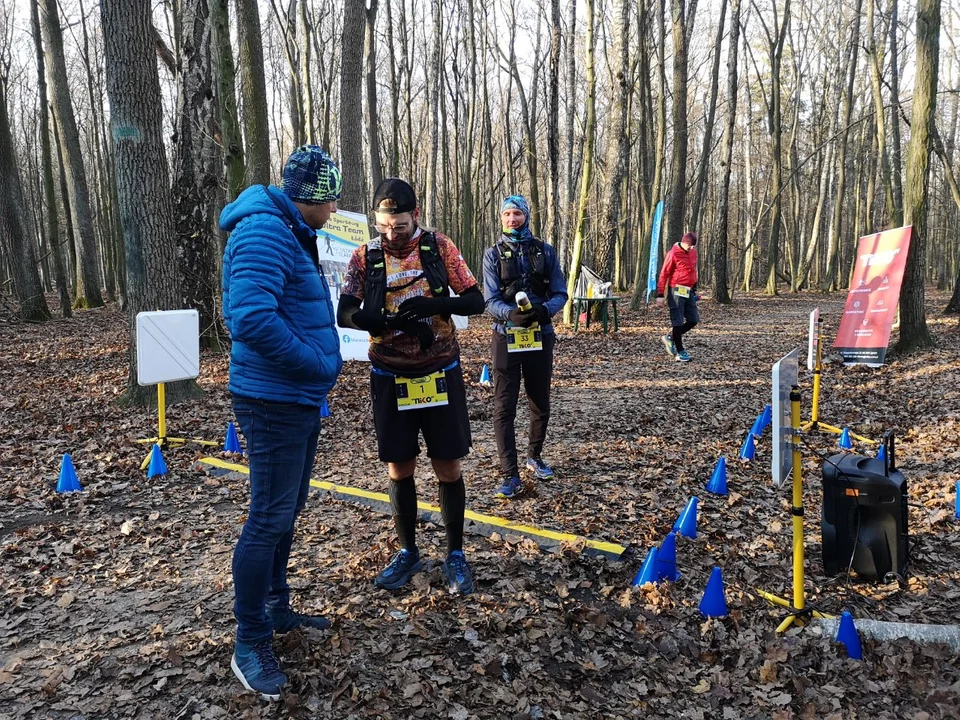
x=469, y=303
x=346, y=309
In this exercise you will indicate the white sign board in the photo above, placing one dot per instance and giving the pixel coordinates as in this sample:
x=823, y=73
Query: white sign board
x=344, y=233
x=813, y=340
x=168, y=346
x=785, y=373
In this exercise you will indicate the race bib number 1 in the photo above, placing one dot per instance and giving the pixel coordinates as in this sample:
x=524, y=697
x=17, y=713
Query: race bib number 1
x=422, y=392
x=524, y=339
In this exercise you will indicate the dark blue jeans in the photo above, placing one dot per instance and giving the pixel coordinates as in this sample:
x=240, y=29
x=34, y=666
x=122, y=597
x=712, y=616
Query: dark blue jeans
x=281, y=446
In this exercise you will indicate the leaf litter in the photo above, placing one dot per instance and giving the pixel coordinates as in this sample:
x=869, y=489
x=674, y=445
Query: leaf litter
x=118, y=600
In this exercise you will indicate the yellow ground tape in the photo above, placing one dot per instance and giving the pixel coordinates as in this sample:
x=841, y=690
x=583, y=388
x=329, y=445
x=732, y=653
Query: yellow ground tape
x=345, y=491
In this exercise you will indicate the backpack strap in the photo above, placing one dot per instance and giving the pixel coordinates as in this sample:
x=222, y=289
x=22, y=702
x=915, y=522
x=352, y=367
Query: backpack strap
x=375, y=283
x=431, y=264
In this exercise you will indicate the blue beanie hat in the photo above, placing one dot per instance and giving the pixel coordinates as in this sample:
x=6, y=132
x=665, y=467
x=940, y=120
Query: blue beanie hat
x=311, y=176
x=516, y=202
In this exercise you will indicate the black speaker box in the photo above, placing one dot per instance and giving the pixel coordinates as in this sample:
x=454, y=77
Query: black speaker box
x=864, y=519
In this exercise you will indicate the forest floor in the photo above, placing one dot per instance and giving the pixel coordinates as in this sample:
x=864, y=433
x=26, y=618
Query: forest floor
x=117, y=602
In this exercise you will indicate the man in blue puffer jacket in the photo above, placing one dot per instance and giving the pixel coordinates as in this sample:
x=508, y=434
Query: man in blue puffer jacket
x=285, y=359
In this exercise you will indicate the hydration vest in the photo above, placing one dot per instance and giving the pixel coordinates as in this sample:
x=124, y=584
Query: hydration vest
x=511, y=272
x=431, y=264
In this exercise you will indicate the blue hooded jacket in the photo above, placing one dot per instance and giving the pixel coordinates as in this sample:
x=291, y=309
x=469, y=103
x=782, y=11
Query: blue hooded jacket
x=276, y=302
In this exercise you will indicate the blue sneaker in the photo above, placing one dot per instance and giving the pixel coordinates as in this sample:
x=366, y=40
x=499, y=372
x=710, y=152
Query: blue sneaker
x=257, y=668
x=511, y=488
x=683, y=356
x=459, y=576
x=539, y=468
x=285, y=620
x=405, y=565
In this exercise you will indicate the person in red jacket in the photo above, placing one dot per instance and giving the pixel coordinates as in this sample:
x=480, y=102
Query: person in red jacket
x=678, y=281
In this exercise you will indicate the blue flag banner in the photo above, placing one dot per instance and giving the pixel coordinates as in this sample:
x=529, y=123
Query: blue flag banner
x=654, y=249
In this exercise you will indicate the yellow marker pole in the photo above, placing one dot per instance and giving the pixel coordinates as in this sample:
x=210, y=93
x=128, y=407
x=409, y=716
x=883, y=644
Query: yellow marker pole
x=818, y=366
x=797, y=510
x=162, y=409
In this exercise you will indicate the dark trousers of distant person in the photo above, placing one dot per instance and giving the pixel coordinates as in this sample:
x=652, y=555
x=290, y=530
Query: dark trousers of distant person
x=536, y=369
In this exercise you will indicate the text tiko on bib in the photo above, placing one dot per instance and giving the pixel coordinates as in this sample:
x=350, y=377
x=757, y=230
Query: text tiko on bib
x=682, y=291
x=422, y=392
x=521, y=339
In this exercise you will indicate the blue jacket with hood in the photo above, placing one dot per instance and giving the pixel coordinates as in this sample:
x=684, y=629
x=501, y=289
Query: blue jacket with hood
x=276, y=302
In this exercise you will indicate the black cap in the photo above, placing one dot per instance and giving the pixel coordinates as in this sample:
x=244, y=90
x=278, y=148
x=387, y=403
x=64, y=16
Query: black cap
x=394, y=196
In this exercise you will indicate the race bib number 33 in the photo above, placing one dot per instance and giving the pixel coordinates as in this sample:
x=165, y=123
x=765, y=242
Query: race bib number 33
x=524, y=339
x=422, y=392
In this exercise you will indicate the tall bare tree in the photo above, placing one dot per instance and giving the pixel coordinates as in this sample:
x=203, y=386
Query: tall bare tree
x=226, y=87
x=50, y=216
x=586, y=176
x=373, y=116
x=16, y=234
x=683, y=21
x=195, y=184
x=146, y=204
x=913, y=320
x=721, y=285
x=351, y=107
x=87, y=289
x=253, y=88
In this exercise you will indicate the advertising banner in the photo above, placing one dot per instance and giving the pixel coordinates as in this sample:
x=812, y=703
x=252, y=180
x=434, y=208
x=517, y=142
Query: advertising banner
x=654, y=249
x=343, y=233
x=871, y=307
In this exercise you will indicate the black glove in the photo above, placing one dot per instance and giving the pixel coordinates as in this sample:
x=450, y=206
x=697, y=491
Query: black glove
x=423, y=306
x=522, y=318
x=422, y=331
x=369, y=320
x=543, y=315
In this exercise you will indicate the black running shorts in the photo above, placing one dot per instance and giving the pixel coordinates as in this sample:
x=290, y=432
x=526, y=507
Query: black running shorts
x=446, y=429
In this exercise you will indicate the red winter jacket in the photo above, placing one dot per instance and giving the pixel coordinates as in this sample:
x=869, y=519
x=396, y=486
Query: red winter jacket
x=679, y=268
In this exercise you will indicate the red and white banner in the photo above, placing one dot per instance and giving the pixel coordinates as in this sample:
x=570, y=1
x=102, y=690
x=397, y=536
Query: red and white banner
x=874, y=293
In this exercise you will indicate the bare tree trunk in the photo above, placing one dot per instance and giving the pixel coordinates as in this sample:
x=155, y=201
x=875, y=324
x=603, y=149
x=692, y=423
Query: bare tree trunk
x=50, y=214
x=16, y=235
x=351, y=107
x=618, y=146
x=571, y=118
x=829, y=279
x=87, y=290
x=433, y=90
x=913, y=321
x=253, y=88
x=146, y=205
x=395, y=95
x=896, y=160
x=373, y=116
x=683, y=21
x=721, y=285
x=194, y=187
x=698, y=194
x=586, y=178
x=552, y=224
x=306, y=30
x=226, y=75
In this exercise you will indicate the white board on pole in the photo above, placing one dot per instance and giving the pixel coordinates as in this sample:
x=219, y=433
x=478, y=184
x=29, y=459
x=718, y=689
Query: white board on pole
x=785, y=373
x=813, y=339
x=168, y=346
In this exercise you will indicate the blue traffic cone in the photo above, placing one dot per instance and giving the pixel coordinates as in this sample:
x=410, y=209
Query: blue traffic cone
x=686, y=524
x=714, y=603
x=882, y=452
x=757, y=428
x=325, y=409
x=68, y=481
x=845, y=442
x=667, y=559
x=848, y=635
x=718, y=480
x=157, y=465
x=485, y=376
x=648, y=571
x=232, y=443
x=766, y=417
x=749, y=449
